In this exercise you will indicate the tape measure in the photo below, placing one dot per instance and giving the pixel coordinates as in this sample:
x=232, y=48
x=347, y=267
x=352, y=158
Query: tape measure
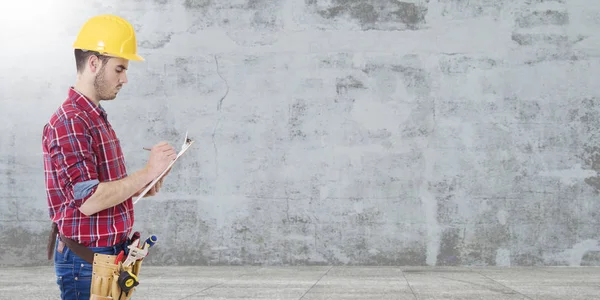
x=127, y=281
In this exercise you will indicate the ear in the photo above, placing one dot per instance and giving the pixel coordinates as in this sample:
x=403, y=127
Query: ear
x=94, y=64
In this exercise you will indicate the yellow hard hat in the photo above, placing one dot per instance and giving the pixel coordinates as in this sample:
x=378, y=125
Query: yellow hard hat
x=110, y=35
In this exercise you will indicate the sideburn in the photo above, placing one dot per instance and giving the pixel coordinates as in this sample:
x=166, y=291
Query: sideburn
x=99, y=83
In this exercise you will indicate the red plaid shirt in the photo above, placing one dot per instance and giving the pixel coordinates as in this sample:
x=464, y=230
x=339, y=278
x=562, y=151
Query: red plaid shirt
x=81, y=149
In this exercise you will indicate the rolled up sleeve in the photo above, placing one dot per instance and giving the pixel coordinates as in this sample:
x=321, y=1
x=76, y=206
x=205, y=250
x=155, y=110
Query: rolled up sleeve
x=72, y=154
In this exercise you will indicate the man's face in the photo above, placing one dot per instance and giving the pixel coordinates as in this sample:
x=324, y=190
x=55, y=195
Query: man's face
x=110, y=78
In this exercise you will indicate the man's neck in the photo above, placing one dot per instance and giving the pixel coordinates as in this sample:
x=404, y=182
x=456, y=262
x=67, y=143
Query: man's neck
x=87, y=91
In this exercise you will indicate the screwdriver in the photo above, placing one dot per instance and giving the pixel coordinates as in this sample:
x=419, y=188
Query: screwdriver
x=150, y=242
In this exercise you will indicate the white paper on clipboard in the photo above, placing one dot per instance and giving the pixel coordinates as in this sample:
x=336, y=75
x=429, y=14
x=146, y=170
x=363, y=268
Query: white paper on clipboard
x=187, y=143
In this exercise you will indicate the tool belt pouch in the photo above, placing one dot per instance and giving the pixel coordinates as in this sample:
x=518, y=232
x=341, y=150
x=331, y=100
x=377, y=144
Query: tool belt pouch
x=105, y=278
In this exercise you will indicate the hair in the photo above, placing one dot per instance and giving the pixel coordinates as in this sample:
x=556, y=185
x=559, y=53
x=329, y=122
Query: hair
x=81, y=57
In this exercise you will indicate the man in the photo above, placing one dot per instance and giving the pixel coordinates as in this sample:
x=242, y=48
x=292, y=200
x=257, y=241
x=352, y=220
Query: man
x=89, y=191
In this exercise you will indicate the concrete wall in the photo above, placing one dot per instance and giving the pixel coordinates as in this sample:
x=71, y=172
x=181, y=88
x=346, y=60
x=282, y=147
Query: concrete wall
x=424, y=132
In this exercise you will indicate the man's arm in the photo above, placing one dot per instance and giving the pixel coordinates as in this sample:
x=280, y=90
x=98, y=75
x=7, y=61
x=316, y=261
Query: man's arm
x=72, y=154
x=109, y=194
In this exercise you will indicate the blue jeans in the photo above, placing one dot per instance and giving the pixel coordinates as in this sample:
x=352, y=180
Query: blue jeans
x=74, y=275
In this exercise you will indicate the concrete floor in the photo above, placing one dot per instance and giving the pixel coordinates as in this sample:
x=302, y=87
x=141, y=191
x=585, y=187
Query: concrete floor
x=331, y=283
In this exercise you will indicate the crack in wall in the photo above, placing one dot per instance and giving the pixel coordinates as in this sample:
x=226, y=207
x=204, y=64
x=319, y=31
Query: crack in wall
x=219, y=106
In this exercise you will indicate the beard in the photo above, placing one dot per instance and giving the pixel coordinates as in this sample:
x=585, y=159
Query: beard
x=103, y=88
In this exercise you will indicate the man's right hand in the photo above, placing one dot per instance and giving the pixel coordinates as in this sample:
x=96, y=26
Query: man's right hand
x=161, y=155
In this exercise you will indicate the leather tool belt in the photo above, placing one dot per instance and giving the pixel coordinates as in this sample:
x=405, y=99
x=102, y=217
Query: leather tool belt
x=82, y=251
x=110, y=278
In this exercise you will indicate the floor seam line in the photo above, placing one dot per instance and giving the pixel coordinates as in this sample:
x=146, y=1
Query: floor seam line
x=408, y=283
x=314, y=284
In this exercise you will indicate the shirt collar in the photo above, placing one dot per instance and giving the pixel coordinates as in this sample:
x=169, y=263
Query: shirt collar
x=84, y=103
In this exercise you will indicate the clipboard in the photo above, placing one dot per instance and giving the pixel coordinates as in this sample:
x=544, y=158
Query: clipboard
x=187, y=143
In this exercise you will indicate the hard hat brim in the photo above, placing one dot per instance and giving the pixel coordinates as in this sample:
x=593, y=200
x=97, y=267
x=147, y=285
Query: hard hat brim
x=134, y=57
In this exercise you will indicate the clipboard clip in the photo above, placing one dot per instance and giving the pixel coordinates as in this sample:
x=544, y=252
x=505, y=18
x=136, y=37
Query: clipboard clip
x=187, y=141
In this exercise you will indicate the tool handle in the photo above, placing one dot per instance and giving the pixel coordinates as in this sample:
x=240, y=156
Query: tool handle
x=150, y=241
x=134, y=237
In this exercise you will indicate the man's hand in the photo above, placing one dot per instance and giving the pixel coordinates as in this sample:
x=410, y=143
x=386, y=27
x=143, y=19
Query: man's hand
x=154, y=190
x=161, y=155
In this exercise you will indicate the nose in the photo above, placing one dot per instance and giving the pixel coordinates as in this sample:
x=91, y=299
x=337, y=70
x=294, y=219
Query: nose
x=124, y=78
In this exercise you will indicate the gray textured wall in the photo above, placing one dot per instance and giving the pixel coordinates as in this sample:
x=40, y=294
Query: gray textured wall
x=331, y=132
